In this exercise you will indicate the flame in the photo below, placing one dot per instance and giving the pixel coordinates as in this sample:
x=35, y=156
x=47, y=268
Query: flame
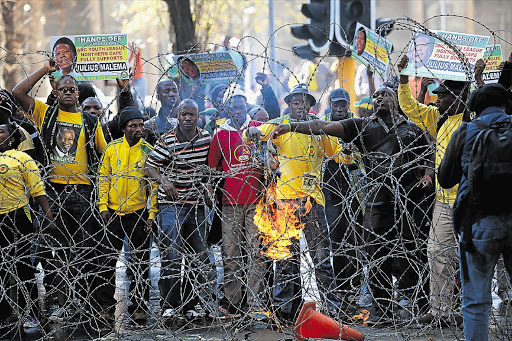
x=361, y=317
x=278, y=223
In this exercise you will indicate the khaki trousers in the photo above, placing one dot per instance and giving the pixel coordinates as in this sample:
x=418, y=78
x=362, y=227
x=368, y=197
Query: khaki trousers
x=443, y=260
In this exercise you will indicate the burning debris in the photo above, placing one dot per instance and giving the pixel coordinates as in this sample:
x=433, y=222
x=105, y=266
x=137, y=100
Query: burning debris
x=360, y=318
x=279, y=223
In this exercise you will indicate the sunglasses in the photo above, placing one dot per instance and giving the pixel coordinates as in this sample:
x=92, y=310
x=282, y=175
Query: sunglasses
x=65, y=90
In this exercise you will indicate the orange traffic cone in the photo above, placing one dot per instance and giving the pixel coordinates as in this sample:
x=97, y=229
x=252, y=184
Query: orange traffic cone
x=312, y=324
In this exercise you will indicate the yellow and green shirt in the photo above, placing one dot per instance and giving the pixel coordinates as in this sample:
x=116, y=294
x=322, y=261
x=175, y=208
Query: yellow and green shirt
x=19, y=177
x=122, y=184
x=300, y=161
x=69, y=156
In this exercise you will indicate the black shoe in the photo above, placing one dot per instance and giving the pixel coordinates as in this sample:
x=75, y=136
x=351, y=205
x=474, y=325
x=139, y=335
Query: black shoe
x=12, y=318
x=426, y=319
x=192, y=315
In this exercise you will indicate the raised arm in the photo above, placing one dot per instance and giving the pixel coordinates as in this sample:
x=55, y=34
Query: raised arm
x=21, y=90
x=506, y=73
x=424, y=116
x=479, y=70
x=315, y=127
x=270, y=102
x=425, y=82
x=404, y=79
x=125, y=98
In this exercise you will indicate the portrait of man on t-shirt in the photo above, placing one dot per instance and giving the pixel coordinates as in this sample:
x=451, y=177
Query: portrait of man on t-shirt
x=66, y=142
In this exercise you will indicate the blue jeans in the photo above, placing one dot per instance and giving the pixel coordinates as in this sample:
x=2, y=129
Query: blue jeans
x=287, y=292
x=182, y=233
x=492, y=236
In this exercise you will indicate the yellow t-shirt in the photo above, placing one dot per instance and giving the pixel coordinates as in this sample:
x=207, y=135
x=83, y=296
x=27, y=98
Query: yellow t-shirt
x=69, y=154
x=19, y=177
x=426, y=117
x=300, y=161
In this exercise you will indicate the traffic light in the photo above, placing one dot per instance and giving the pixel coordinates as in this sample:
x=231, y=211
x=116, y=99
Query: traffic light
x=304, y=52
x=384, y=26
x=350, y=13
x=332, y=24
x=318, y=31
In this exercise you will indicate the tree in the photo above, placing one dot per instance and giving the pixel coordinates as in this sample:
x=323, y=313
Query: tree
x=13, y=41
x=22, y=23
x=183, y=25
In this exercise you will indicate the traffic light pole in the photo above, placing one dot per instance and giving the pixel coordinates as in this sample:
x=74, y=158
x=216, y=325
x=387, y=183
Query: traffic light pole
x=346, y=76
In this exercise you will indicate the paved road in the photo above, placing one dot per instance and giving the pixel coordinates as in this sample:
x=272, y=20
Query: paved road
x=210, y=330
x=207, y=329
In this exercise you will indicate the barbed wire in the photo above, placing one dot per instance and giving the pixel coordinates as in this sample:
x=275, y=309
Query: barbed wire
x=334, y=254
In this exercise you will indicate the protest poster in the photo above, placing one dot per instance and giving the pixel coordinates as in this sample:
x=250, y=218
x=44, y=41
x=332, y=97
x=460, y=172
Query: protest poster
x=493, y=57
x=432, y=57
x=208, y=67
x=91, y=57
x=371, y=49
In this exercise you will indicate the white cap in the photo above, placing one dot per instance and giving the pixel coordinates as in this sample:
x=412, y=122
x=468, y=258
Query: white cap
x=233, y=90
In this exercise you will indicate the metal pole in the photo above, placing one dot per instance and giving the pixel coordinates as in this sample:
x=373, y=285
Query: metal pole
x=272, y=52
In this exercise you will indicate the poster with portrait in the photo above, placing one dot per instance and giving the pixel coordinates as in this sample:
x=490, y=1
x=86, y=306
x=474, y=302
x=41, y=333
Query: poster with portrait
x=432, y=57
x=91, y=57
x=370, y=49
x=211, y=67
x=66, y=142
x=493, y=57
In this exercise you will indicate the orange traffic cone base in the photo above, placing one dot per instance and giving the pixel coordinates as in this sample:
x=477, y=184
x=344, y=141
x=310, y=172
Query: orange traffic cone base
x=312, y=324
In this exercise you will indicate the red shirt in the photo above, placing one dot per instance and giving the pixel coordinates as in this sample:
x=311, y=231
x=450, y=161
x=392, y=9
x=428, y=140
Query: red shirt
x=137, y=64
x=243, y=179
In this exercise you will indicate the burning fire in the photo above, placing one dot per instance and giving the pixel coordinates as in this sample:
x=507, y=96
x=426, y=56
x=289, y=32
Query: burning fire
x=361, y=317
x=278, y=223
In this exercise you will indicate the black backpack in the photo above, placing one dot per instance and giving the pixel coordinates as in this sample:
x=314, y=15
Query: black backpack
x=490, y=169
x=489, y=179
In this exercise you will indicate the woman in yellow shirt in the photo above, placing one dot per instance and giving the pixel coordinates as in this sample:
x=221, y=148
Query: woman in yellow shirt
x=19, y=178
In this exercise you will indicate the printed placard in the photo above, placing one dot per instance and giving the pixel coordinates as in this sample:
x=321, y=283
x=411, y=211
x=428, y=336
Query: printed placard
x=209, y=67
x=371, y=49
x=493, y=57
x=91, y=57
x=431, y=57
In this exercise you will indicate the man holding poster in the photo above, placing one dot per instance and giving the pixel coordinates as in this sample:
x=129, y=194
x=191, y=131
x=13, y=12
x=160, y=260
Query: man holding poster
x=72, y=139
x=440, y=120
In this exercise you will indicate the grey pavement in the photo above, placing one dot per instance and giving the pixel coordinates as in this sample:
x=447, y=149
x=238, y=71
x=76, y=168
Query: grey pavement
x=214, y=330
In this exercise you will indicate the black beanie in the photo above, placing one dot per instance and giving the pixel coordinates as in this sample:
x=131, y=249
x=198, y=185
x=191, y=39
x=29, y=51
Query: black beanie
x=216, y=90
x=489, y=95
x=129, y=113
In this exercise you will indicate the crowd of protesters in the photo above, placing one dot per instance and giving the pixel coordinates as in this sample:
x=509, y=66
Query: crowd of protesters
x=376, y=215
